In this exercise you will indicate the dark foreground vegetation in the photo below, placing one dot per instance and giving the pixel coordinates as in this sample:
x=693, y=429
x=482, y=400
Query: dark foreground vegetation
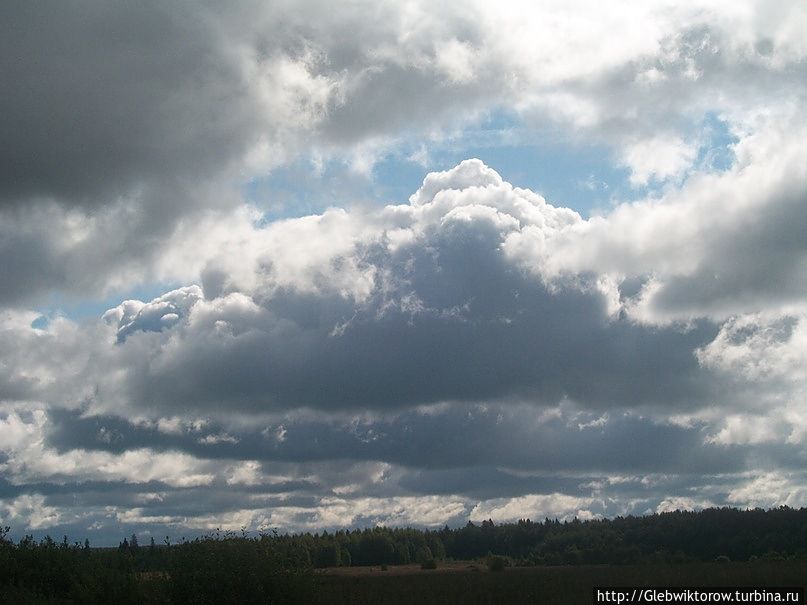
x=561, y=585
x=214, y=569
x=524, y=562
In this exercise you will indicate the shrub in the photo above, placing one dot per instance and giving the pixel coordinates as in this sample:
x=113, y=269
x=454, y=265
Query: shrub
x=429, y=564
x=496, y=563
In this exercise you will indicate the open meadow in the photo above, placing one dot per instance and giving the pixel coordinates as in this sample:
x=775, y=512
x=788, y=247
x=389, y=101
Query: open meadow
x=470, y=583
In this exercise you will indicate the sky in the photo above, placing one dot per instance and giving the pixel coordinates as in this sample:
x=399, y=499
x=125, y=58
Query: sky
x=305, y=266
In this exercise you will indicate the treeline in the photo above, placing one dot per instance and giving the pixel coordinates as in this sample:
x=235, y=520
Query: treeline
x=230, y=568
x=676, y=536
x=214, y=569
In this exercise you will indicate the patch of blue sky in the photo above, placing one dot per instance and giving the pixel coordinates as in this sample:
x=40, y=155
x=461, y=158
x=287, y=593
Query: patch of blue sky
x=716, y=152
x=582, y=177
x=305, y=187
x=586, y=177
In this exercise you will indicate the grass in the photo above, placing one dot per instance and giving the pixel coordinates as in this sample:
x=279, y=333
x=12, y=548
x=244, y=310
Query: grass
x=469, y=584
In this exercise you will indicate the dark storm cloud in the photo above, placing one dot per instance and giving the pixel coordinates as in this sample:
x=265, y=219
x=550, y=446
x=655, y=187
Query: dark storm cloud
x=117, y=119
x=484, y=330
x=457, y=437
x=75, y=253
x=102, y=97
x=498, y=460
x=120, y=121
x=355, y=321
x=485, y=482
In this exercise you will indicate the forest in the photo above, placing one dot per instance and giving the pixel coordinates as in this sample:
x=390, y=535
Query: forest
x=227, y=567
x=674, y=536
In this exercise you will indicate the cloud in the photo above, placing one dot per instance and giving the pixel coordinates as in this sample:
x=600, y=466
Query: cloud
x=659, y=158
x=404, y=306
x=371, y=359
x=29, y=460
x=127, y=123
x=722, y=244
x=554, y=506
x=463, y=280
x=422, y=468
x=770, y=489
x=682, y=503
x=32, y=510
x=475, y=352
x=161, y=313
x=508, y=439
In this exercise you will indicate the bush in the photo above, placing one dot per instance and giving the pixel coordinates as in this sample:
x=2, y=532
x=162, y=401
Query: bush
x=429, y=564
x=496, y=563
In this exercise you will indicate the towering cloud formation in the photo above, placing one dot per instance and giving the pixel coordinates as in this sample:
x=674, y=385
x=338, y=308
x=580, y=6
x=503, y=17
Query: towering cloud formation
x=408, y=305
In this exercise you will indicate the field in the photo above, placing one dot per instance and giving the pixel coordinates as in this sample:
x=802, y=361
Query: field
x=470, y=583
